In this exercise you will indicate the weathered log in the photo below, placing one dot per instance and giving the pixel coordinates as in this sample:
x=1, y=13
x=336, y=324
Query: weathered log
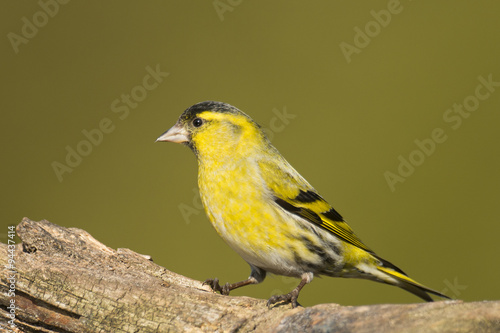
x=66, y=281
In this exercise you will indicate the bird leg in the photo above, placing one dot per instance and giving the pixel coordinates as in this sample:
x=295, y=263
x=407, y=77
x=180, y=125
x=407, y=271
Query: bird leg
x=292, y=296
x=225, y=289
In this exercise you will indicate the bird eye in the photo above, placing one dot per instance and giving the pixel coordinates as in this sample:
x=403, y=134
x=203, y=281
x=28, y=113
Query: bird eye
x=197, y=122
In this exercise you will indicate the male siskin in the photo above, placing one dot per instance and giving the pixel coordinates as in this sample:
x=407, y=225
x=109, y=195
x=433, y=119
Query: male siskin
x=267, y=212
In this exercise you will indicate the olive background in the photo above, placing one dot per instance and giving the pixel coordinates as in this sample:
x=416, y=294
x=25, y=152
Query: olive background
x=342, y=122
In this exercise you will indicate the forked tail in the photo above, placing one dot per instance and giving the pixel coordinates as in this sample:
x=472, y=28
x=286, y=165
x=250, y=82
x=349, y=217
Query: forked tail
x=406, y=283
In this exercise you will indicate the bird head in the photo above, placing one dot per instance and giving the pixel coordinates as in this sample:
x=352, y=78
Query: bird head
x=215, y=130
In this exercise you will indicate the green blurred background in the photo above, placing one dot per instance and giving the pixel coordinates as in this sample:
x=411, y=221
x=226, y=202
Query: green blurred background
x=353, y=116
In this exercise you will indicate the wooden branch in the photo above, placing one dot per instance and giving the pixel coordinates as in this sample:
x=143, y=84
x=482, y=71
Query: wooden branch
x=67, y=281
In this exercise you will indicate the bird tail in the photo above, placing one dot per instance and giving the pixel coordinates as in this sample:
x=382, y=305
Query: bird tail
x=397, y=277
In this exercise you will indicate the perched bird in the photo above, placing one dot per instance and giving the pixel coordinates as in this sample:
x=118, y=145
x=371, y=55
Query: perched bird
x=267, y=212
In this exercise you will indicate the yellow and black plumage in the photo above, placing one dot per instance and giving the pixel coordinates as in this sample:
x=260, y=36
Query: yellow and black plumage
x=267, y=212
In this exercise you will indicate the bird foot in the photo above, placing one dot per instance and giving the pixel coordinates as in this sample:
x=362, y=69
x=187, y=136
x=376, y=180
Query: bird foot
x=214, y=284
x=291, y=297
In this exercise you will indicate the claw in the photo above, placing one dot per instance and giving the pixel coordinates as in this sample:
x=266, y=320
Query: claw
x=291, y=297
x=225, y=289
x=214, y=284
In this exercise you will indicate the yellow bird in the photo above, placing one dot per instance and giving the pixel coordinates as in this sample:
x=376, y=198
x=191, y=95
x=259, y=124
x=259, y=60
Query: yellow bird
x=267, y=212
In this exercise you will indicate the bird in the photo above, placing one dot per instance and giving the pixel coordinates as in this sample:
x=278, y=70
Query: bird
x=268, y=213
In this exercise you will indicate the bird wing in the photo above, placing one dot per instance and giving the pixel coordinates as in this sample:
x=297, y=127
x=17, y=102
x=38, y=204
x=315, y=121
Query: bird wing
x=295, y=195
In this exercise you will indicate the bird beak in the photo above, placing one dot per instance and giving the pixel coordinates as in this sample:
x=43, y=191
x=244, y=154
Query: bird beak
x=176, y=134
